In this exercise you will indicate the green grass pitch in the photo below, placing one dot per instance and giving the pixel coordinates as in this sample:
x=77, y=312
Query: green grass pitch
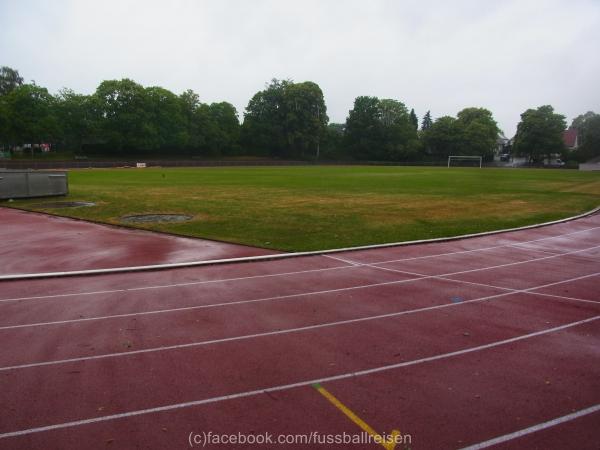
x=321, y=207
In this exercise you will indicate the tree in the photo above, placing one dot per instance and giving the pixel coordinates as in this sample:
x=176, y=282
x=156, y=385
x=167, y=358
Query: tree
x=223, y=130
x=479, y=132
x=392, y=112
x=9, y=80
x=30, y=115
x=332, y=144
x=305, y=118
x=125, y=119
x=581, y=123
x=444, y=137
x=79, y=118
x=380, y=130
x=427, y=122
x=123, y=116
x=414, y=120
x=539, y=134
x=194, y=120
x=473, y=132
x=363, y=129
x=590, y=138
x=263, y=130
x=165, y=125
x=399, y=134
x=4, y=122
x=286, y=119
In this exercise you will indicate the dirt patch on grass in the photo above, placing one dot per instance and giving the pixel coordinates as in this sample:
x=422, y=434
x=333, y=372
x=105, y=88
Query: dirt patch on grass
x=156, y=218
x=56, y=205
x=593, y=187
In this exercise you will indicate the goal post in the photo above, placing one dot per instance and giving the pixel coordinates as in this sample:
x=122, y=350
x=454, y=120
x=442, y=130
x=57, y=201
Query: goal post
x=477, y=159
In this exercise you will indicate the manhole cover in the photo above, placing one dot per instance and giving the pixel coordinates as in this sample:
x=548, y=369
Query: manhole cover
x=160, y=218
x=63, y=204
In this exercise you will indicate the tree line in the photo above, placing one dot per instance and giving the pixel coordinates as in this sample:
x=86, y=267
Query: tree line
x=284, y=120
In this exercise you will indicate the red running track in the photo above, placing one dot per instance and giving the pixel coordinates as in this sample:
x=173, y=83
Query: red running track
x=488, y=342
x=68, y=245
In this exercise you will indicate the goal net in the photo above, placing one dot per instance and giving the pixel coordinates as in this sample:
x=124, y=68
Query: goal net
x=465, y=161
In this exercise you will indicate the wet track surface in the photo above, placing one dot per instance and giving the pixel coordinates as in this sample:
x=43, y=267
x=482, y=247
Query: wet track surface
x=452, y=343
x=33, y=243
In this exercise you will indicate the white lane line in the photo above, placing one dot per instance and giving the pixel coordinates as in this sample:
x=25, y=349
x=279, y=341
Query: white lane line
x=190, y=308
x=353, y=264
x=566, y=298
x=255, y=335
x=494, y=247
x=271, y=333
x=534, y=428
x=498, y=266
x=166, y=286
x=343, y=260
x=292, y=385
x=531, y=290
x=540, y=250
x=211, y=305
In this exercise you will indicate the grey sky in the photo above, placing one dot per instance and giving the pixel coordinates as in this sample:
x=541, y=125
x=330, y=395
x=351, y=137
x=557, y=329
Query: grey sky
x=439, y=55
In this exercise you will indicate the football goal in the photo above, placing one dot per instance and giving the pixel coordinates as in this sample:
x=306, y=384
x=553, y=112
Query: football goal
x=471, y=161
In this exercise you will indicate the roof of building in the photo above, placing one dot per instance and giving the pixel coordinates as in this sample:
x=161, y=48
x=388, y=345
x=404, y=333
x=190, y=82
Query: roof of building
x=570, y=137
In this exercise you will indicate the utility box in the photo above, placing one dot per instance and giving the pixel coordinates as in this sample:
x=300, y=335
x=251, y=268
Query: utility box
x=32, y=183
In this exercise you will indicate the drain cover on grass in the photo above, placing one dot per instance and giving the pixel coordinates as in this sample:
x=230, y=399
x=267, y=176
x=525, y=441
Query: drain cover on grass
x=160, y=218
x=63, y=204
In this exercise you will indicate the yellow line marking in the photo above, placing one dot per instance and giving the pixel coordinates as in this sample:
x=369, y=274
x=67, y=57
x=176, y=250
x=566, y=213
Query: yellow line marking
x=388, y=442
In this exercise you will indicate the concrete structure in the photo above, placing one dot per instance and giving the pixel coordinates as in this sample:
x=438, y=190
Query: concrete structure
x=592, y=164
x=26, y=183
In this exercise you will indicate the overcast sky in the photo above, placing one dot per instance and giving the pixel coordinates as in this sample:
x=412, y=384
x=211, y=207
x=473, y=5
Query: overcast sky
x=433, y=55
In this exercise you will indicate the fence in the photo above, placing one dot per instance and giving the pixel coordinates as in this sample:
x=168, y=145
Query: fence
x=85, y=164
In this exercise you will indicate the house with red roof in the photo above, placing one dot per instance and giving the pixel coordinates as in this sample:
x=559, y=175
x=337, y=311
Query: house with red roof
x=570, y=138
